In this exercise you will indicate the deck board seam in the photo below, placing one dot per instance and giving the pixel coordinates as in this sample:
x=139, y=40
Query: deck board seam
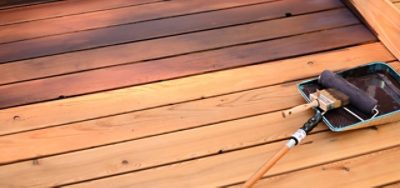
x=324, y=163
x=150, y=38
x=61, y=97
x=141, y=21
x=193, y=52
x=17, y=6
x=164, y=105
x=389, y=184
x=166, y=133
x=135, y=22
x=176, y=103
x=236, y=150
x=178, y=130
x=73, y=14
x=189, y=159
x=179, y=77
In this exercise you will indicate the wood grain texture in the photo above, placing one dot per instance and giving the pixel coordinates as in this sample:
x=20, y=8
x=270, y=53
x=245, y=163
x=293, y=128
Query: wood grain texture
x=9, y=4
x=128, y=75
x=237, y=166
x=392, y=185
x=189, y=43
x=183, y=116
x=150, y=152
x=119, y=128
x=396, y=66
x=113, y=17
x=61, y=8
x=136, y=125
x=179, y=90
x=147, y=122
x=194, y=123
x=369, y=170
x=157, y=28
x=384, y=19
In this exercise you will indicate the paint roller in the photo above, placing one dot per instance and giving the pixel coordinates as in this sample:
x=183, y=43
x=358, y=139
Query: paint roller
x=339, y=93
x=333, y=97
x=358, y=98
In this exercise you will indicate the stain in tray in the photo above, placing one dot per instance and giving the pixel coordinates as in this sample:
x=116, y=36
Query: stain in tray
x=380, y=85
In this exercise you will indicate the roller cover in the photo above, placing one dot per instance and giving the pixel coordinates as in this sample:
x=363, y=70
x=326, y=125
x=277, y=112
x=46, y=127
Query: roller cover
x=358, y=98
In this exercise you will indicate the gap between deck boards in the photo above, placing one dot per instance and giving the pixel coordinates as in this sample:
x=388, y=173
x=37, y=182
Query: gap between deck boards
x=92, y=39
x=146, y=96
x=116, y=78
x=80, y=157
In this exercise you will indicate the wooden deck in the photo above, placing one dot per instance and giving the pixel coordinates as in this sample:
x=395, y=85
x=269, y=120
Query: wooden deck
x=150, y=93
x=396, y=3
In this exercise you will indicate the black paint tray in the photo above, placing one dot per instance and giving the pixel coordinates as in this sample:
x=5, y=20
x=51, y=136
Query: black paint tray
x=379, y=80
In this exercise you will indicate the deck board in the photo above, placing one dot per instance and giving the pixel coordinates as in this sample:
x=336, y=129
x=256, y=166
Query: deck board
x=113, y=17
x=236, y=166
x=183, y=44
x=392, y=185
x=175, y=91
x=211, y=171
x=156, y=28
x=189, y=114
x=118, y=77
x=195, y=143
x=383, y=18
x=338, y=173
x=218, y=109
x=56, y=9
x=183, y=94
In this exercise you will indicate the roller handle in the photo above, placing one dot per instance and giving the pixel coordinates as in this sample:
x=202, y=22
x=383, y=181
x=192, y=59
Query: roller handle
x=296, y=138
x=266, y=166
x=300, y=108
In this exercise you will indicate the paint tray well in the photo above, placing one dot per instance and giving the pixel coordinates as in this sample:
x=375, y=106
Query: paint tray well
x=379, y=80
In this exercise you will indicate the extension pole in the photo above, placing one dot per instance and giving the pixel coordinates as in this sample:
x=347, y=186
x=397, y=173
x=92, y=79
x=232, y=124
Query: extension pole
x=268, y=165
x=293, y=141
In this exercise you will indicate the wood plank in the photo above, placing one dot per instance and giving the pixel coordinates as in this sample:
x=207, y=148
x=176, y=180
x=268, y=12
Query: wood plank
x=267, y=128
x=113, y=17
x=225, y=169
x=149, y=152
x=134, y=74
x=5, y=4
x=157, y=28
x=119, y=128
x=354, y=172
x=62, y=8
x=396, y=66
x=193, y=143
x=392, y=185
x=384, y=18
x=148, y=122
x=147, y=96
x=114, y=55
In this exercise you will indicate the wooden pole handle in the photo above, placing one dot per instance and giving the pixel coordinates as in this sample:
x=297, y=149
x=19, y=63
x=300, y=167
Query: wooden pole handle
x=268, y=165
x=299, y=108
